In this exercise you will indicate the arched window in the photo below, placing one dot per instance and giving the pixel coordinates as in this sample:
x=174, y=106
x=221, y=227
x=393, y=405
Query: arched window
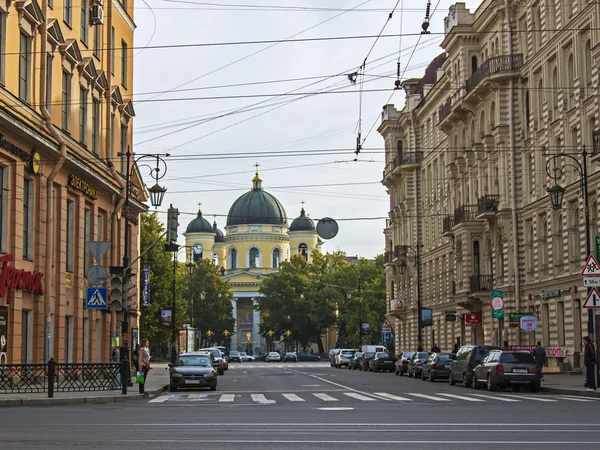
x=215, y=259
x=500, y=257
x=529, y=261
x=254, y=258
x=588, y=62
x=476, y=259
x=233, y=256
x=555, y=91
x=493, y=115
x=571, y=80
x=543, y=242
x=473, y=64
x=303, y=250
x=276, y=258
x=399, y=148
x=527, y=110
x=472, y=131
x=482, y=124
x=540, y=98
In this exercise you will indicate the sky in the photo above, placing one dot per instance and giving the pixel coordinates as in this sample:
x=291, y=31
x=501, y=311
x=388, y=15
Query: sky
x=218, y=102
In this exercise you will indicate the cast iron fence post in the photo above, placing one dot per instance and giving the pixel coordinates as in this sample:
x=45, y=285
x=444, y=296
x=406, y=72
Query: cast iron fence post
x=51, y=376
x=124, y=364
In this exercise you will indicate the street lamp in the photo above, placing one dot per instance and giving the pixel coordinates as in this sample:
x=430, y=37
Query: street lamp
x=156, y=194
x=556, y=194
x=270, y=334
x=287, y=335
x=226, y=334
x=209, y=335
x=402, y=268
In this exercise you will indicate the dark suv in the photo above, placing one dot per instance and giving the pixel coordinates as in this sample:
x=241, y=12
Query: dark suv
x=466, y=359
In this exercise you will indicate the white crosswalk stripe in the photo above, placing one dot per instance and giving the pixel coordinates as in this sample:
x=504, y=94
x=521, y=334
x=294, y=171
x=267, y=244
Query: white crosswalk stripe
x=393, y=397
x=258, y=398
x=227, y=398
x=493, y=397
x=293, y=398
x=537, y=399
x=325, y=397
x=462, y=397
x=429, y=397
x=576, y=399
x=361, y=397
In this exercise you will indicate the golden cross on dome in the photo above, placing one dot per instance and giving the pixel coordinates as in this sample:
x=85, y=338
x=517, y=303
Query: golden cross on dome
x=257, y=165
x=302, y=204
x=199, y=206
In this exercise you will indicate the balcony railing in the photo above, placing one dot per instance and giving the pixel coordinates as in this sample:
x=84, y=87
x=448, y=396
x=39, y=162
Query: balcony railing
x=388, y=257
x=488, y=203
x=411, y=157
x=447, y=224
x=445, y=111
x=497, y=64
x=481, y=283
x=465, y=213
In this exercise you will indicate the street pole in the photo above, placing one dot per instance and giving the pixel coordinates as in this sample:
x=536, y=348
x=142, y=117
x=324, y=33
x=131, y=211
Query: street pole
x=124, y=348
x=419, y=318
x=173, y=313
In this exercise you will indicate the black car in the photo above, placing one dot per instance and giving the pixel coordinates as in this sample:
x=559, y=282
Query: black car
x=383, y=361
x=355, y=361
x=192, y=370
x=416, y=363
x=365, y=360
x=437, y=366
x=304, y=356
x=235, y=356
x=467, y=358
x=402, y=363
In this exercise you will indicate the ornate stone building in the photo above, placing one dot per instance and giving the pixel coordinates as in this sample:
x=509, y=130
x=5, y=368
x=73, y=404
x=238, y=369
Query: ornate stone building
x=466, y=174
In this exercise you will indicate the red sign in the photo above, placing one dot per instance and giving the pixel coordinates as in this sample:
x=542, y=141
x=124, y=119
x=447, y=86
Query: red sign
x=13, y=278
x=473, y=320
x=522, y=348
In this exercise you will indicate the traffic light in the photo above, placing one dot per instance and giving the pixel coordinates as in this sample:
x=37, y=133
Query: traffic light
x=116, y=293
x=129, y=292
x=172, y=224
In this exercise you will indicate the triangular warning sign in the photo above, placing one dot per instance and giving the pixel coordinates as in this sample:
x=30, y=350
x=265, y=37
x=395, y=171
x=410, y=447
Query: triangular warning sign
x=593, y=299
x=591, y=268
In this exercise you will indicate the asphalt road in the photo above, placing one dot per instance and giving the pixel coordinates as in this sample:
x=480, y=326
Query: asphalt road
x=312, y=406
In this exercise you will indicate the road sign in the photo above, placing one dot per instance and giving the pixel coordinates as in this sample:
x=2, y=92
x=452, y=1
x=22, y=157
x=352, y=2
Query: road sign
x=387, y=336
x=98, y=249
x=96, y=298
x=593, y=299
x=497, y=300
x=591, y=268
x=528, y=323
x=591, y=281
x=386, y=324
x=97, y=275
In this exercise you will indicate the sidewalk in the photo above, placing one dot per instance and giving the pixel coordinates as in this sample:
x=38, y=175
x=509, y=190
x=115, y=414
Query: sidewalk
x=566, y=384
x=157, y=382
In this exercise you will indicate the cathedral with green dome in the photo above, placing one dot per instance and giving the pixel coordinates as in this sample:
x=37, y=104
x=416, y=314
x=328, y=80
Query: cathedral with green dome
x=257, y=239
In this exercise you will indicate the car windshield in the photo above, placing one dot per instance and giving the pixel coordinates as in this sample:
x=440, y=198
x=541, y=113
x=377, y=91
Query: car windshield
x=444, y=357
x=273, y=354
x=407, y=355
x=290, y=354
x=368, y=355
x=517, y=358
x=381, y=355
x=234, y=353
x=423, y=355
x=358, y=354
x=198, y=361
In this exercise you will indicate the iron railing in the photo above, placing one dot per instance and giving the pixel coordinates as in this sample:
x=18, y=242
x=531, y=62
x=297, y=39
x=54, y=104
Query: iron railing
x=497, y=64
x=411, y=157
x=447, y=224
x=488, y=203
x=445, y=111
x=465, y=213
x=22, y=378
x=388, y=257
x=481, y=283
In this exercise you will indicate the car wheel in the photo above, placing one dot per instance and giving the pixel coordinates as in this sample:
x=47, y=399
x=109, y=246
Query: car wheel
x=396, y=372
x=451, y=380
x=475, y=383
x=172, y=388
x=422, y=376
x=491, y=385
x=221, y=372
x=516, y=388
x=213, y=387
x=431, y=377
x=408, y=373
x=534, y=386
x=465, y=381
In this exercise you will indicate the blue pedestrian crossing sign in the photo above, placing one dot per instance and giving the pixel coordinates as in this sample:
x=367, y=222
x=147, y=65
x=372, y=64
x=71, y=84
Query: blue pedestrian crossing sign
x=96, y=298
x=387, y=336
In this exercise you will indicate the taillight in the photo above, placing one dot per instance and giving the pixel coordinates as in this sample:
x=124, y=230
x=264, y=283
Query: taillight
x=435, y=365
x=419, y=363
x=499, y=368
x=538, y=370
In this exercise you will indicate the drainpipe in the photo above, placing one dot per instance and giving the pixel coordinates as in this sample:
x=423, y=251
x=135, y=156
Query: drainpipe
x=50, y=179
x=513, y=175
x=418, y=236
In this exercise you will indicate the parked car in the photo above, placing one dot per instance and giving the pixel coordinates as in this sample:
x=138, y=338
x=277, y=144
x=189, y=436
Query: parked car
x=502, y=369
x=402, y=363
x=437, y=366
x=365, y=360
x=192, y=370
x=354, y=363
x=304, y=356
x=332, y=353
x=290, y=356
x=218, y=362
x=416, y=363
x=467, y=358
x=273, y=357
x=383, y=361
x=245, y=357
x=343, y=357
x=225, y=361
x=235, y=356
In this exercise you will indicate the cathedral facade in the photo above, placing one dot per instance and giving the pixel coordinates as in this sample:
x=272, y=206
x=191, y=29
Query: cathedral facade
x=257, y=239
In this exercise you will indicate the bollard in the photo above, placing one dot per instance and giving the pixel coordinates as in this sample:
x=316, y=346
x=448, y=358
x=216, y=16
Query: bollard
x=124, y=377
x=51, y=376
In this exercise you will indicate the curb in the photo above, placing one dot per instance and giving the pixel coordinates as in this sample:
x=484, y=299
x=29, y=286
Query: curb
x=573, y=392
x=75, y=400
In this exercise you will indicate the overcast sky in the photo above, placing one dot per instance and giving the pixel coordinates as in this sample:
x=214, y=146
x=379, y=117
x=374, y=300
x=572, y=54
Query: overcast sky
x=303, y=142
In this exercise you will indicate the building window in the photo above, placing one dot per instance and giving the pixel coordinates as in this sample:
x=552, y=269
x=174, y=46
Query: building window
x=95, y=125
x=100, y=228
x=123, y=149
x=197, y=252
x=86, y=339
x=500, y=260
x=540, y=96
x=124, y=63
x=254, y=258
x=68, y=339
x=49, y=61
x=24, y=67
x=85, y=11
x=28, y=212
x=233, y=255
x=97, y=41
x=54, y=225
x=303, y=250
x=87, y=236
x=66, y=100
x=555, y=90
x=83, y=94
x=571, y=81
x=587, y=62
x=26, y=336
x=70, y=250
x=276, y=258
x=68, y=4
x=112, y=51
x=112, y=132
x=4, y=209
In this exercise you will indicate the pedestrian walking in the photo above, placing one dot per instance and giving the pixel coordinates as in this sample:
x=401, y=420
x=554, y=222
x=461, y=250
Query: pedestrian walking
x=589, y=359
x=455, y=349
x=135, y=356
x=435, y=349
x=506, y=347
x=539, y=354
x=144, y=362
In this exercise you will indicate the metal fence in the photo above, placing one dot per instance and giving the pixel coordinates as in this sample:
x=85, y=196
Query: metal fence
x=60, y=377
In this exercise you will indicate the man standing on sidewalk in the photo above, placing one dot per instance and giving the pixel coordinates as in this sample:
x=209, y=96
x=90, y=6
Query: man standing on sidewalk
x=539, y=354
x=589, y=359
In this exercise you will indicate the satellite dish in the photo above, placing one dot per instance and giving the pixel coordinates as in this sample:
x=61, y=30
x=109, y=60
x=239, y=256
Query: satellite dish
x=327, y=228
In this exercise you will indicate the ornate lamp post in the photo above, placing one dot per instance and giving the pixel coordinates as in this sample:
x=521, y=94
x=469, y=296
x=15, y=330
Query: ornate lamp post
x=270, y=341
x=227, y=334
x=209, y=335
x=287, y=337
x=402, y=268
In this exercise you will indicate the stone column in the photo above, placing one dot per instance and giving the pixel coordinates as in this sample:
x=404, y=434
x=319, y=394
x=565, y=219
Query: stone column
x=255, y=327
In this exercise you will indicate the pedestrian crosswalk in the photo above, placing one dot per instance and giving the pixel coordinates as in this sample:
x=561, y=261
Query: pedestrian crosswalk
x=276, y=365
x=341, y=396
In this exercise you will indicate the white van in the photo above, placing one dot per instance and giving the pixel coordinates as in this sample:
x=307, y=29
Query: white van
x=373, y=348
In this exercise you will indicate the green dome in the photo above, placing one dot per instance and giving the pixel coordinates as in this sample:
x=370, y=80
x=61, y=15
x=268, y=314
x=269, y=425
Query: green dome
x=302, y=223
x=256, y=207
x=199, y=225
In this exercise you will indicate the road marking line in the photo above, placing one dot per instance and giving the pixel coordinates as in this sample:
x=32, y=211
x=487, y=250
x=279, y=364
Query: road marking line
x=325, y=397
x=575, y=399
x=393, y=397
x=492, y=397
x=361, y=397
x=258, y=398
x=227, y=398
x=293, y=397
x=161, y=399
x=429, y=397
x=537, y=399
x=460, y=397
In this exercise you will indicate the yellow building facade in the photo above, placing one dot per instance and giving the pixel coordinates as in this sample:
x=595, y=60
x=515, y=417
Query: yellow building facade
x=66, y=77
x=257, y=239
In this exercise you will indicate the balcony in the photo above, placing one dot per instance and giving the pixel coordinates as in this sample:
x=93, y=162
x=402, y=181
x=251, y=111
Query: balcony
x=481, y=283
x=444, y=111
x=411, y=158
x=388, y=257
x=487, y=206
x=465, y=213
x=498, y=65
x=447, y=224
x=389, y=168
